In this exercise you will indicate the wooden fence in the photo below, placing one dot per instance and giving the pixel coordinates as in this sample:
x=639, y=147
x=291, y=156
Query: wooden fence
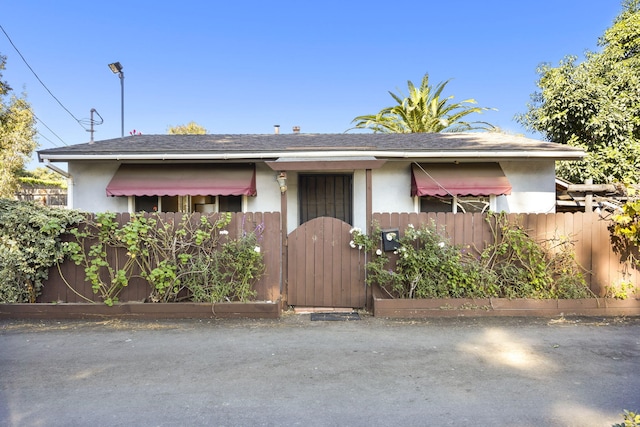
x=589, y=232
x=70, y=286
x=592, y=241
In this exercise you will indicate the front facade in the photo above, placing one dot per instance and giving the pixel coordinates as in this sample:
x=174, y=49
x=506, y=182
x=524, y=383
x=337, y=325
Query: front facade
x=322, y=186
x=345, y=176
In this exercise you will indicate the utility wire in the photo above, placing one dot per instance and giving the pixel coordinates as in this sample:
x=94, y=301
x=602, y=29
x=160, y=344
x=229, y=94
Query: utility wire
x=41, y=82
x=432, y=178
x=45, y=125
x=52, y=143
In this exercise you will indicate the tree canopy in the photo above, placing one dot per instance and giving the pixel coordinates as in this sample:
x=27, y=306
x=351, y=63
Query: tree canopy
x=595, y=104
x=191, y=128
x=425, y=109
x=17, y=136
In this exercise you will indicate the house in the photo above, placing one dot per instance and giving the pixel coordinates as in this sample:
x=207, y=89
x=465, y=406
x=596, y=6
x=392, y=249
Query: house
x=304, y=176
x=321, y=184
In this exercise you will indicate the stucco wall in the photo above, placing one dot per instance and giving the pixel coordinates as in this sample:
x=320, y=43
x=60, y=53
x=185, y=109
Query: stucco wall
x=268, y=198
x=533, y=187
x=391, y=188
x=90, y=180
x=533, y=190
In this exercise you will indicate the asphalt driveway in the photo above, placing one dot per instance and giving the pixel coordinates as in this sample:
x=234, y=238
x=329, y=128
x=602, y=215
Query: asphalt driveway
x=294, y=371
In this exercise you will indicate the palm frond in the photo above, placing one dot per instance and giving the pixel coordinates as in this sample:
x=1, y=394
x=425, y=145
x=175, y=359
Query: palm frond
x=423, y=110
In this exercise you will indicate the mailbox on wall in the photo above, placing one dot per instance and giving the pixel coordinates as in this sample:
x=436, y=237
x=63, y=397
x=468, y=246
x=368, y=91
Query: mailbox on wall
x=390, y=239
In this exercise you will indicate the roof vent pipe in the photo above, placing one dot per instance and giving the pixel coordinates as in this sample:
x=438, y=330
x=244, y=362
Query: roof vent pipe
x=276, y=129
x=296, y=129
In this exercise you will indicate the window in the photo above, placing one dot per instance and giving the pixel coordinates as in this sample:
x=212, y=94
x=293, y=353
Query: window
x=146, y=204
x=156, y=203
x=229, y=203
x=204, y=204
x=456, y=204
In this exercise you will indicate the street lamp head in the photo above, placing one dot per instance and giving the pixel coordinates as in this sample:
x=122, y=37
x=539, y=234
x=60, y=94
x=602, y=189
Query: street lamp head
x=116, y=67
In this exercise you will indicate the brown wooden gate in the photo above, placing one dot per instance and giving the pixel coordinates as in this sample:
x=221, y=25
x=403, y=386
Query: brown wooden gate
x=323, y=270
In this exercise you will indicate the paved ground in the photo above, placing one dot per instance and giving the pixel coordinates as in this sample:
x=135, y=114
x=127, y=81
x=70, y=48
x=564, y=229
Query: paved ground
x=292, y=371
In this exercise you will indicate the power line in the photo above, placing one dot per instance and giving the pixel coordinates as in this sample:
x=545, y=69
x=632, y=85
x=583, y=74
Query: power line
x=41, y=82
x=45, y=125
x=52, y=143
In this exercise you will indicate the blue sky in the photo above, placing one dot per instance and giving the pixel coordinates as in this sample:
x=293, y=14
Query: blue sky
x=242, y=67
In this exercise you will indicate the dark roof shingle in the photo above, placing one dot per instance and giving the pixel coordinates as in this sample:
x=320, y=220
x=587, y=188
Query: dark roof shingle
x=271, y=143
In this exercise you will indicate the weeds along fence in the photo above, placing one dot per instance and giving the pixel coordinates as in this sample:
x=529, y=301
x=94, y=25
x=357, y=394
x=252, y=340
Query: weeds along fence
x=68, y=284
x=605, y=263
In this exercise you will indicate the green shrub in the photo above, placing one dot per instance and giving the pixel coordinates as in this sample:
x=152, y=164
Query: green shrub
x=188, y=260
x=526, y=268
x=30, y=243
x=227, y=274
x=427, y=265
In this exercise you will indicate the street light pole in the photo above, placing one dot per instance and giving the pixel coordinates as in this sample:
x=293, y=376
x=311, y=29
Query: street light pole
x=116, y=67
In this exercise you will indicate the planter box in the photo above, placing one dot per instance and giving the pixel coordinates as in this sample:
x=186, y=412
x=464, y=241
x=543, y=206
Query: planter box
x=147, y=311
x=421, y=308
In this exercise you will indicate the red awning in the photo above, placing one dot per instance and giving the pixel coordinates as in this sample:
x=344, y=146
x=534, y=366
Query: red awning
x=466, y=179
x=183, y=180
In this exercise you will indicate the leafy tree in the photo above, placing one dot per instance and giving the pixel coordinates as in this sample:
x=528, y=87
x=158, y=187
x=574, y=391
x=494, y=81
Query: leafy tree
x=17, y=136
x=425, y=109
x=42, y=176
x=595, y=104
x=191, y=128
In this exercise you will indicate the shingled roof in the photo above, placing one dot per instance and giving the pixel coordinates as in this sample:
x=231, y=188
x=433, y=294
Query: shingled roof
x=273, y=146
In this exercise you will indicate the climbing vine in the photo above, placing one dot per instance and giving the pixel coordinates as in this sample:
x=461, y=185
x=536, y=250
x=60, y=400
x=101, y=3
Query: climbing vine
x=190, y=259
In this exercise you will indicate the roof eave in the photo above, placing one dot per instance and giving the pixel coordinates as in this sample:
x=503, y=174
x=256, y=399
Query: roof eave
x=440, y=155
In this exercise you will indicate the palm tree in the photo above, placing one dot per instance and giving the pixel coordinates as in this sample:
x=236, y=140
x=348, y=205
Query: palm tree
x=424, y=110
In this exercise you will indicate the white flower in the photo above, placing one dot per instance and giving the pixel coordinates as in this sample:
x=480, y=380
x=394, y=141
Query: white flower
x=379, y=252
x=441, y=244
x=359, y=247
x=354, y=230
x=224, y=232
x=410, y=226
x=257, y=249
x=352, y=244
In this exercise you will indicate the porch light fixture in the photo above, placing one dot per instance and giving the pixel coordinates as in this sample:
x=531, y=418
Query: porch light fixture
x=282, y=181
x=116, y=68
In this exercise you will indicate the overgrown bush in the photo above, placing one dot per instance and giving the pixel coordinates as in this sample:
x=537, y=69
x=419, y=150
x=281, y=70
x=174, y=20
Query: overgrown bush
x=625, y=229
x=30, y=243
x=427, y=265
x=188, y=260
x=526, y=268
x=630, y=419
x=227, y=274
